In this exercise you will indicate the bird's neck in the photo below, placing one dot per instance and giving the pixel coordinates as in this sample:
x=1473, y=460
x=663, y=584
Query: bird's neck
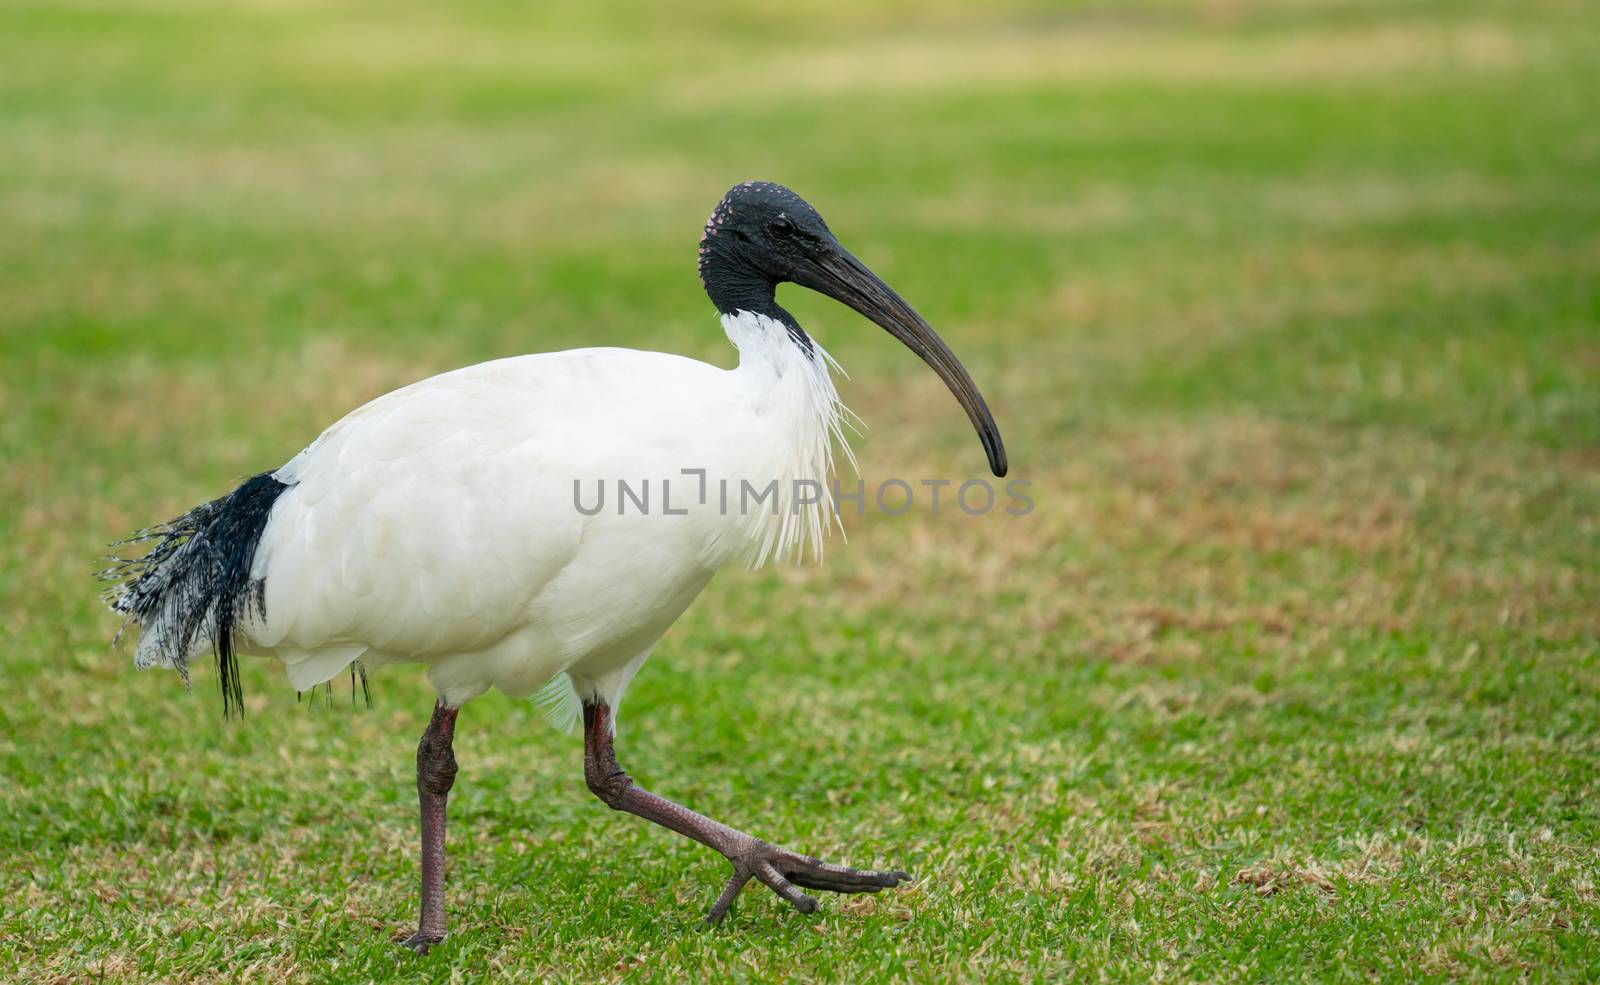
x=735, y=287
x=772, y=344
x=799, y=416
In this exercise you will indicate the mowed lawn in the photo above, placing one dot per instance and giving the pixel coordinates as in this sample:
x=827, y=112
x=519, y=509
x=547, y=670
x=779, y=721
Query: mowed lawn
x=1290, y=313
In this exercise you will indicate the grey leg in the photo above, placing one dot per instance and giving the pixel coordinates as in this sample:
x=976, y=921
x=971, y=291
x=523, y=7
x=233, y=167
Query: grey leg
x=436, y=774
x=778, y=868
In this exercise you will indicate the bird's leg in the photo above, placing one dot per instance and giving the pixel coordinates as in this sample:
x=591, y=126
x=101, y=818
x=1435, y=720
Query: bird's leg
x=436, y=774
x=780, y=869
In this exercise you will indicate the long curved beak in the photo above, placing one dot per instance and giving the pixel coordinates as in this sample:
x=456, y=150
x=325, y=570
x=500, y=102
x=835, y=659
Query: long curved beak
x=839, y=275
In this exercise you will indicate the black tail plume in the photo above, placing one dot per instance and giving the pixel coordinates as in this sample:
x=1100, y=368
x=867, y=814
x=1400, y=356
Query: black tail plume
x=195, y=584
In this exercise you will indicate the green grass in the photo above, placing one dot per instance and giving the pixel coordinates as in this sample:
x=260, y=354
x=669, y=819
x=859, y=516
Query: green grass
x=1290, y=313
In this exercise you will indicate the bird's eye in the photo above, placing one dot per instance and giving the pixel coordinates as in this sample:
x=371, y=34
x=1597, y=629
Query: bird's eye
x=780, y=226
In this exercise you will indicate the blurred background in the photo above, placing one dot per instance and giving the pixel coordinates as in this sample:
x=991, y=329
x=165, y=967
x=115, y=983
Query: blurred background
x=1288, y=309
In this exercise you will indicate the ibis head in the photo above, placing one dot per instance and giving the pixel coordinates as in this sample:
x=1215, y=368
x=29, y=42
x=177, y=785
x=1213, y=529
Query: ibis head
x=762, y=234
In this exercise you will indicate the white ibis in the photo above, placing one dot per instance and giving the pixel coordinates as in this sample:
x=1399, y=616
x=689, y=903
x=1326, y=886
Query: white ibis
x=440, y=524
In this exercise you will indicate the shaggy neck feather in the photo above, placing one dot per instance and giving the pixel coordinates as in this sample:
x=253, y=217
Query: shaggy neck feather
x=793, y=393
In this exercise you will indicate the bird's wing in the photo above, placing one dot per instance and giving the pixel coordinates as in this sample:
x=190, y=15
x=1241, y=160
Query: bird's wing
x=426, y=521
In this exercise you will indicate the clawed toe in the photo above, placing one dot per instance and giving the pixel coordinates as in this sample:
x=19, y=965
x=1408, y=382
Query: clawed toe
x=419, y=943
x=837, y=879
x=784, y=872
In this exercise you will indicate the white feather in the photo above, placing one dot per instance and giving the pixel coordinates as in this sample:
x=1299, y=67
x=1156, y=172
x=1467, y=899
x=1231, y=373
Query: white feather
x=308, y=668
x=559, y=702
x=437, y=524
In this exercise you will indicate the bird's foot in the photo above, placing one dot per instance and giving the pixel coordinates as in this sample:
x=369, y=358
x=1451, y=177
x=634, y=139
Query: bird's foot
x=784, y=871
x=419, y=942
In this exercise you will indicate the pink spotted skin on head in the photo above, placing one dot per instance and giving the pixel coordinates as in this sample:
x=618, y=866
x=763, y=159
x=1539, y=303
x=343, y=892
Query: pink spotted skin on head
x=719, y=215
x=723, y=213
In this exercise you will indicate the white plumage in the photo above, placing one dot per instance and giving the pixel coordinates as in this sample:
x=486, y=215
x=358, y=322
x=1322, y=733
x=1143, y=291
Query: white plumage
x=438, y=523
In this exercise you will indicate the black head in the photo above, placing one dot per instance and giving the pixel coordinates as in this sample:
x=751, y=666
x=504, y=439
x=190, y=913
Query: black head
x=757, y=237
x=762, y=234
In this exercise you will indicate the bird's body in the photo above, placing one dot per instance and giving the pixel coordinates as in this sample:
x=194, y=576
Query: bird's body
x=540, y=521
x=459, y=523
